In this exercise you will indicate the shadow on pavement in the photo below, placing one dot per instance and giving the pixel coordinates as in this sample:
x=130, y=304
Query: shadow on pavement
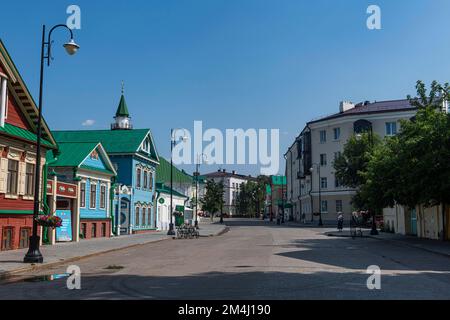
x=236, y=285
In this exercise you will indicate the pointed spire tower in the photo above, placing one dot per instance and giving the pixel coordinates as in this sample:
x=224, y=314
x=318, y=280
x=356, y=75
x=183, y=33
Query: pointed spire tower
x=122, y=120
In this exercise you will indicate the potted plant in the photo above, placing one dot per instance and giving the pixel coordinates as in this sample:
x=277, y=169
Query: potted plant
x=49, y=221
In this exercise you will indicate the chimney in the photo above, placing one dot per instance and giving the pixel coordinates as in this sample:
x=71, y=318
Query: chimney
x=345, y=106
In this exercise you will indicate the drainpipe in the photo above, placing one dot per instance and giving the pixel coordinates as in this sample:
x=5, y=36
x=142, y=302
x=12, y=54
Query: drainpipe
x=156, y=207
x=311, y=181
x=111, y=204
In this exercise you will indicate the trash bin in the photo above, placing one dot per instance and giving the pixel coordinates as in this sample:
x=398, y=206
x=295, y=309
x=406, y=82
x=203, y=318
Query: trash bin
x=179, y=220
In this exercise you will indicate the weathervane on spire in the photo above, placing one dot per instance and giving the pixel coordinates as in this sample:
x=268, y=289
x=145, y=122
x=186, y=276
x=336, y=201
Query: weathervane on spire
x=123, y=86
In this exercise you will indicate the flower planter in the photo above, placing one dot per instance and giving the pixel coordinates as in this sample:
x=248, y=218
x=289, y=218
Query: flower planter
x=49, y=221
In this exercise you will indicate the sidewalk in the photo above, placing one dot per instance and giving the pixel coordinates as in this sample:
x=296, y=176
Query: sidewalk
x=11, y=261
x=434, y=246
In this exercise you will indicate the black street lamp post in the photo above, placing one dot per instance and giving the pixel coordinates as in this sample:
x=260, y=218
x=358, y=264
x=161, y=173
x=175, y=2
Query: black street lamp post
x=197, y=174
x=34, y=255
x=171, y=231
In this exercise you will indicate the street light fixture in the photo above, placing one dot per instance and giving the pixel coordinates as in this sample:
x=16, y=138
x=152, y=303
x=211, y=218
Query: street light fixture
x=200, y=157
x=34, y=255
x=320, y=192
x=173, y=141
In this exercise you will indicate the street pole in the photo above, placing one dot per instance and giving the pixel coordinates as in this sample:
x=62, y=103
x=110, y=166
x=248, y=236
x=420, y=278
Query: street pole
x=196, y=193
x=171, y=231
x=34, y=255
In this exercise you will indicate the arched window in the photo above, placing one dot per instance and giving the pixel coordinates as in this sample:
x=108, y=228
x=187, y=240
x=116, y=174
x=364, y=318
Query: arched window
x=149, y=216
x=362, y=126
x=137, y=216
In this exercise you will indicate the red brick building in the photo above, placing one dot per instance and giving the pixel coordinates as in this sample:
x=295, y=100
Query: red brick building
x=18, y=121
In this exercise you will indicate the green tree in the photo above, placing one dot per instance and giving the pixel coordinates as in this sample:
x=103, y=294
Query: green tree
x=212, y=202
x=412, y=168
x=351, y=165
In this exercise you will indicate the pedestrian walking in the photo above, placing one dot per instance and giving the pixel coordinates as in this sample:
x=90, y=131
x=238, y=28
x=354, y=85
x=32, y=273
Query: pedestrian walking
x=340, y=221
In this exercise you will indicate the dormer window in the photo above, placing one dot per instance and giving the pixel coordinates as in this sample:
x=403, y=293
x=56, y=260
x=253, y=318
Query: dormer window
x=3, y=100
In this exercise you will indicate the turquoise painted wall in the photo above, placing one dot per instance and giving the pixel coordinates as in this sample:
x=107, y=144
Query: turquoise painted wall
x=97, y=212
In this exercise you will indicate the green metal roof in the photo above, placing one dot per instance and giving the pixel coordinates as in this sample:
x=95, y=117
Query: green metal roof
x=163, y=173
x=71, y=154
x=114, y=141
x=23, y=134
x=162, y=188
x=122, y=109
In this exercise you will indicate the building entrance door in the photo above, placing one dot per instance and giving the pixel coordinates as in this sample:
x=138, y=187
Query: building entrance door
x=124, y=218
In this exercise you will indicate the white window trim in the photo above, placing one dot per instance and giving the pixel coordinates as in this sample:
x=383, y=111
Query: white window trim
x=25, y=196
x=85, y=189
x=13, y=154
x=102, y=185
x=90, y=195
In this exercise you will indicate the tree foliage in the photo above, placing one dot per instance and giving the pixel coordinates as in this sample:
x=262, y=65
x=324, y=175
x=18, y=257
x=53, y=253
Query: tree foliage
x=411, y=168
x=212, y=201
x=352, y=163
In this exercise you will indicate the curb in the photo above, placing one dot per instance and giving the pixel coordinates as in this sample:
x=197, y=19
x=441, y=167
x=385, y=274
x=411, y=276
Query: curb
x=4, y=275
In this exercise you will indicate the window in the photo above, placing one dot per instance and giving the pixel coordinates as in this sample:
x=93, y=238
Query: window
x=338, y=205
x=137, y=214
x=83, y=195
x=324, y=206
x=13, y=167
x=150, y=181
x=337, y=155
x=93, y=197
x=323, y=160
x=94, y=230
x=391, y=128
x=323, y=183
x=323, y=136
x=138, y=177
x=144, y=211
x=29, y=180
x=102, y=197
x=149, y=216
x=24, y=239
x=83, y=230
x=145, y=180
x=337, y=182
x=103, y=230
x=337, y=133
x=7, y=238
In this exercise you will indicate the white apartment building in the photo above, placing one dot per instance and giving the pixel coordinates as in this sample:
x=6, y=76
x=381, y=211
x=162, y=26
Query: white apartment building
x=232, y=183
x=309, y=161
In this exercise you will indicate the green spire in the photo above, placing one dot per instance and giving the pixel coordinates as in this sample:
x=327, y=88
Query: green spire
x=122, y=110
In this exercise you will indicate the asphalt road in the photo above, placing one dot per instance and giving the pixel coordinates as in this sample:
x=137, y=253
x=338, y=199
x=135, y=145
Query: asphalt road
x=254, y=260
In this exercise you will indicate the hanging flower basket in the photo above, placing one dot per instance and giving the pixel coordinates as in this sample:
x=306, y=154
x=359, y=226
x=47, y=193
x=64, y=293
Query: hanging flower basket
x=49, y=221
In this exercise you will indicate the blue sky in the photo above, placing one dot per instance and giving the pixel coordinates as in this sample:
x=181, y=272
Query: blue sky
x=230, y=63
